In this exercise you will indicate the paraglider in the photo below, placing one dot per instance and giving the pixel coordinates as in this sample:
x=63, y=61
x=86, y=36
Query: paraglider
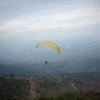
x=50, y=44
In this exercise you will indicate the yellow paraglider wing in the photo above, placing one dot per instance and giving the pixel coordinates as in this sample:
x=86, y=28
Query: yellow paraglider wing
x=50, y=44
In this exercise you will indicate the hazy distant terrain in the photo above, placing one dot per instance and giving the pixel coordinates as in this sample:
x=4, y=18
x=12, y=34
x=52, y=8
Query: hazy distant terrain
x=79, y=55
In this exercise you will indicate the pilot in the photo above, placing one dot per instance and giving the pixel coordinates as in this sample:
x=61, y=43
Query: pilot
x=46, y=62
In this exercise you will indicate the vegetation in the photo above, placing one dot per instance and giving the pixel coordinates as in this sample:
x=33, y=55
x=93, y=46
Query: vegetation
x=90, y=95
x=48, y=86
x=12, y=89
x=70, y=86
x=57, y=84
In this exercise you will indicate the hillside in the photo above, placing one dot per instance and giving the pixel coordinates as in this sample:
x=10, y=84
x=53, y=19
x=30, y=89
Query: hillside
x=72, y=82
x=16, y=88
x=27, y=87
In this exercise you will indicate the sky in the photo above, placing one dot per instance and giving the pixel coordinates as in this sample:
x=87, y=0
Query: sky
x=25, y=20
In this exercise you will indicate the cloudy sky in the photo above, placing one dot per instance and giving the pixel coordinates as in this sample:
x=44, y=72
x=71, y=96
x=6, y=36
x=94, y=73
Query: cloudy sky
x=47, y=19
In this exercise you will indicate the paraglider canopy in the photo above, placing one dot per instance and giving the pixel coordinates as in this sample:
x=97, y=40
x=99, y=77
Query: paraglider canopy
x=50, y=44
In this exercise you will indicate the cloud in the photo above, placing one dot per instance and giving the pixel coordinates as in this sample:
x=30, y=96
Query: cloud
x=71, y=19
x=36, y=23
